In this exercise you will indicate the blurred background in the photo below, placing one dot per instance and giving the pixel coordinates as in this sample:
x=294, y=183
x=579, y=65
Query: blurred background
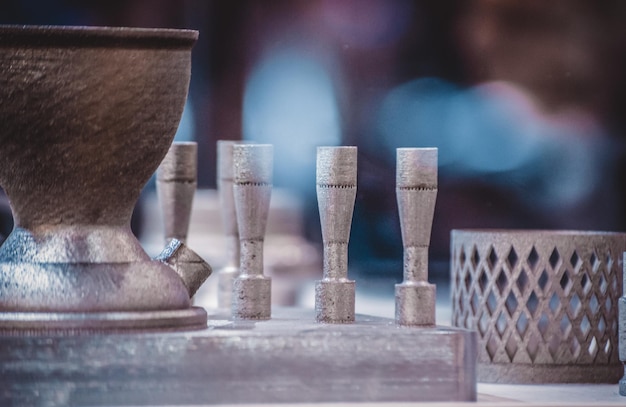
x=525, y=99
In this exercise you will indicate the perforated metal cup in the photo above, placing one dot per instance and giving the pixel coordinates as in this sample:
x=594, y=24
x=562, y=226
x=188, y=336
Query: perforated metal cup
x=543, y=302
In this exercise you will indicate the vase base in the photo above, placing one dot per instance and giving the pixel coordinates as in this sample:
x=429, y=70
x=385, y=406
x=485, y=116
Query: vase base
x=68, y=323
x=139, y=286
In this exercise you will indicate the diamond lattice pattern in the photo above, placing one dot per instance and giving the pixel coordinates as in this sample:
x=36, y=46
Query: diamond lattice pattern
x=535, y=304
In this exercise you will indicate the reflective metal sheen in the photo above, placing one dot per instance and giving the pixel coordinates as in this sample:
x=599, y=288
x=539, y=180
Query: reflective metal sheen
x=252, y=174
x=336, y=193
x=416, y=193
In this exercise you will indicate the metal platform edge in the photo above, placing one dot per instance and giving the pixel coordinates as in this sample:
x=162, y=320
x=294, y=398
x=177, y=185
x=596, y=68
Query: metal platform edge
x=288, y=359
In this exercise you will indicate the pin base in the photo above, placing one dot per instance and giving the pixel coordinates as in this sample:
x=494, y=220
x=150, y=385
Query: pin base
x=415, y=304
x=252, y=297
x=334, y=301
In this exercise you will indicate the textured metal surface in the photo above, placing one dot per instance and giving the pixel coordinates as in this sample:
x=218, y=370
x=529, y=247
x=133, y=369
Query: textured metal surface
x=227, y=274
x=416, y=192
x=176, y=182
x=252, y=174
x=336, y=193
x=94, y=287
x=87, y=115
x=622, y=329
x=287, y=359
x=544, y=303
x=77, y=323
x=189, y=266
x=176, y=185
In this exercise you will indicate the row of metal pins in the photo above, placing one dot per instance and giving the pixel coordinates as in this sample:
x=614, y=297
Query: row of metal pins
x=416, y=193
x=244, y=185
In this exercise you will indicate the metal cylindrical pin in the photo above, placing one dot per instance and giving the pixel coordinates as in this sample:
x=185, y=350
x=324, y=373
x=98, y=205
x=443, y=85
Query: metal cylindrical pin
x=176, y=186
x=621, y=304
x=416, y=193
x=252, y=177
x=415, y=264
x=336, y=194
x=225, y=179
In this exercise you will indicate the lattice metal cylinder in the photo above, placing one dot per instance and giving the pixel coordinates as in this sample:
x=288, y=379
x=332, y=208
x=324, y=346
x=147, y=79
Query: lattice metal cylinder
x=543, y=302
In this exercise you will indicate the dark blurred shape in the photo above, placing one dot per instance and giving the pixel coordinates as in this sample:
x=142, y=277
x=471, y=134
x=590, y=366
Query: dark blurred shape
x=536, y=141
x=565, y=52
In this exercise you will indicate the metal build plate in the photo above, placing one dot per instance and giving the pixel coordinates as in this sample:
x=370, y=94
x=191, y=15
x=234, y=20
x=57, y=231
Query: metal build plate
x=289, y=358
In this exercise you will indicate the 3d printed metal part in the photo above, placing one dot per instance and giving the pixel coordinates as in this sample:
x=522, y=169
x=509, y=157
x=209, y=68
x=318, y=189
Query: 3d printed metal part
x=416, y=191
x=544, y=303
x=176, y=185
x=336, y=193
x=227, y=274
x=622, y=330
x=252, y=170
x=83, y=102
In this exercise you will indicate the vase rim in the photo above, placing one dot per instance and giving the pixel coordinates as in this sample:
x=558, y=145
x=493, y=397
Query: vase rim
x=95, y=36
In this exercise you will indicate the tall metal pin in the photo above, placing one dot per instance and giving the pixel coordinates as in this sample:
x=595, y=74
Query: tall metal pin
x=336, y=193
x=176, y=186
x=252, y=165
x=230, y=271
x=621, y=309
x=416, y=192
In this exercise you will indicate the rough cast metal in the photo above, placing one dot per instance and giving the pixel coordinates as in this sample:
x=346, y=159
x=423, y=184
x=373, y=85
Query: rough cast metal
x=336, y=193
x=252, y=174
x=622, y=330
x=176, y=186
x=544, y=303
x=176, y=182
x=189, y=266
x=287, y=359
x=87, y=115
x=227, y=274
x=416, y=192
